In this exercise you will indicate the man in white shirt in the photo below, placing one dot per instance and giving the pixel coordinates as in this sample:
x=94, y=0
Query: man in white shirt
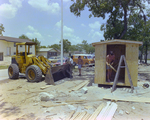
x=71, y=65
x=71, y=60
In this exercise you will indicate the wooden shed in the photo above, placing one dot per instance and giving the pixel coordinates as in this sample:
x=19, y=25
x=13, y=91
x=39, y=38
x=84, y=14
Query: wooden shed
x=130, y=49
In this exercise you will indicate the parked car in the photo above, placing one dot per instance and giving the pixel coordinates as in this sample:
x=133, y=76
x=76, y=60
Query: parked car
x=87, y=59
x=59, y=62
x=54, y=59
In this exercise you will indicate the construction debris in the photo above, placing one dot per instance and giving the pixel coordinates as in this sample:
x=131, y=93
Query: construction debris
x=72, y=99
x=84, y=90
x=46, y=97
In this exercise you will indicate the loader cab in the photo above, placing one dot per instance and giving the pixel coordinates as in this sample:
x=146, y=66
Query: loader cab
x=23, y=56
x=26, y=50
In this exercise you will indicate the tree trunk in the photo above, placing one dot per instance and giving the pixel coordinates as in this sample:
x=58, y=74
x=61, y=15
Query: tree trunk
x=146, y=53
x=125, y=24
x=141, y=56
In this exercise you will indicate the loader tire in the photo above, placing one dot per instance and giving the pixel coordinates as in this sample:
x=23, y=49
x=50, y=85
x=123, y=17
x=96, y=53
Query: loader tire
x=13, y=71
x=33, y=73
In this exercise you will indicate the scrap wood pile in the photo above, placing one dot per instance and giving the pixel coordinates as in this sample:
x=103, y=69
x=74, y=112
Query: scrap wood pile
x=103, y=112
x=71, y=100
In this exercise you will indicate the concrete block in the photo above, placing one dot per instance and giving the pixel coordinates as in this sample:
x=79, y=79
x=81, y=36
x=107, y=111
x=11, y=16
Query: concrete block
x=45, y=96
x=84, y=90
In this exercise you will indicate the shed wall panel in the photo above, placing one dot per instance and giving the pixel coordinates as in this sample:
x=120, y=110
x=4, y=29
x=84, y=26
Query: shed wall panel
x=132, y=61
x=100, y=64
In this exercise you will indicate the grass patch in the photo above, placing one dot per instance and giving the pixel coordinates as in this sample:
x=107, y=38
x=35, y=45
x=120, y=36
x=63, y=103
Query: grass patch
x=4, y=67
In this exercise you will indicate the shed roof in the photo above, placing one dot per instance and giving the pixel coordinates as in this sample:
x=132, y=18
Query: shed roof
x=118, y=41
x=12, y=39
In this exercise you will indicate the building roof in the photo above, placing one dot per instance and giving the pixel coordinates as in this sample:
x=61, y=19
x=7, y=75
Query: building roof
x=45, y=49
x=12, y=39
x=26, y=43
x=117, y=41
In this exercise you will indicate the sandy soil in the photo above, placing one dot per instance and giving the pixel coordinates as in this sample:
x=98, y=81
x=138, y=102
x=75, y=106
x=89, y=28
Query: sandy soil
x=20, y=100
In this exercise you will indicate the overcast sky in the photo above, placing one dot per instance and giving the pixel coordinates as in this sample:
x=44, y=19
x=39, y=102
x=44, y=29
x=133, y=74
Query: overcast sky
x=41, y=19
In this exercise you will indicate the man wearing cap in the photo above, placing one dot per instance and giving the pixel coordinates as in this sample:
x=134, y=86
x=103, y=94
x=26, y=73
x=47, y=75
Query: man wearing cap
x=110, y=58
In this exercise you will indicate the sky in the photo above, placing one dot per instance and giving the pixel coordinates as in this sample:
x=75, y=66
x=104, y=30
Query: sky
x=41, y=19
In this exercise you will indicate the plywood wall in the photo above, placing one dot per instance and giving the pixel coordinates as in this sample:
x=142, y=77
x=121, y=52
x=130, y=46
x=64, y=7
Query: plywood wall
x=132, y=51
x=100, y=63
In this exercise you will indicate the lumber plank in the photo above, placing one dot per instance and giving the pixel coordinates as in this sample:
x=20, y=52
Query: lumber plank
x=111, y=66
x=75, y=115
x=79, y=86
x=70, y=115
x=108, y=111
x=42, y=88
x=86, y=117
x=53, y=105
x=61, y=103
x=80, y=116
x=97, y=111
x=127, y=99
x=111, y=111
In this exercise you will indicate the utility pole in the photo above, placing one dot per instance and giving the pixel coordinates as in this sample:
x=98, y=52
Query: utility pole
x=61, y=32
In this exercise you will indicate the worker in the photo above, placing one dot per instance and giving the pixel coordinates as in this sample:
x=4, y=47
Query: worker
x=71, y=60
x=80, y=63
x=110, y=58
x=71, y=66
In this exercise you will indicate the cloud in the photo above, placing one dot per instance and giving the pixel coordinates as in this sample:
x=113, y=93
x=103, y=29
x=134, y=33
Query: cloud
x=45, y=5
x=83, y=25
x=34, y=33
x=10, y=10
x=58, y=24
x=68, y=33
x=65, y=28
x=49, y=36
x=96, y=35
x=66, y=0
x=31, y=28
x=95, y=25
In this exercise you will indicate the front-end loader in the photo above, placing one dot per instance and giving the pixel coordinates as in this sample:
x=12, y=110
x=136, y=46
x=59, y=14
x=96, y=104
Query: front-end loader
x=34, y=67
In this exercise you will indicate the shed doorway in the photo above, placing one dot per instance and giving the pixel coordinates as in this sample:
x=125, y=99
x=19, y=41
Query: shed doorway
x=118, y=50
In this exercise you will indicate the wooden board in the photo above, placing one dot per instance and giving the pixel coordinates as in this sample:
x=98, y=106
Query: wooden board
x=127, y=99
x=75, y=115
x=100, y=64
x=132, y=61
x=97, y=111
x=80, y=116
x=107, y=112
x=70, y=115
x=86, y=117
x=79, y=86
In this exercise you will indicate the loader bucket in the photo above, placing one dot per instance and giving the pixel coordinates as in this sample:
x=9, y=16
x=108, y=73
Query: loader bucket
x=49, y=77
x=57, y=73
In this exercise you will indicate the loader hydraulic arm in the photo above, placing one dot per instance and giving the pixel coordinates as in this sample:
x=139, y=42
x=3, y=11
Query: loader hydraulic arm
x=40, y=64
x=45, y=61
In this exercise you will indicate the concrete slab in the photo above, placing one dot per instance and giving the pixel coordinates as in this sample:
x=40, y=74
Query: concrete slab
x=4, y=74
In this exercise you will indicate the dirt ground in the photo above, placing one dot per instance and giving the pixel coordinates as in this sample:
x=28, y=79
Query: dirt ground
x=20, y=100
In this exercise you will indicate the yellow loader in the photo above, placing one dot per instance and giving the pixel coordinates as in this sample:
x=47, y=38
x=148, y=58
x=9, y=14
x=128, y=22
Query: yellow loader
x=34, y=67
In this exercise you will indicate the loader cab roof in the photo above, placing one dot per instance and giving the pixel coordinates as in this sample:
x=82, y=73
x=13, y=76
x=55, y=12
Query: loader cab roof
x=26, y=43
